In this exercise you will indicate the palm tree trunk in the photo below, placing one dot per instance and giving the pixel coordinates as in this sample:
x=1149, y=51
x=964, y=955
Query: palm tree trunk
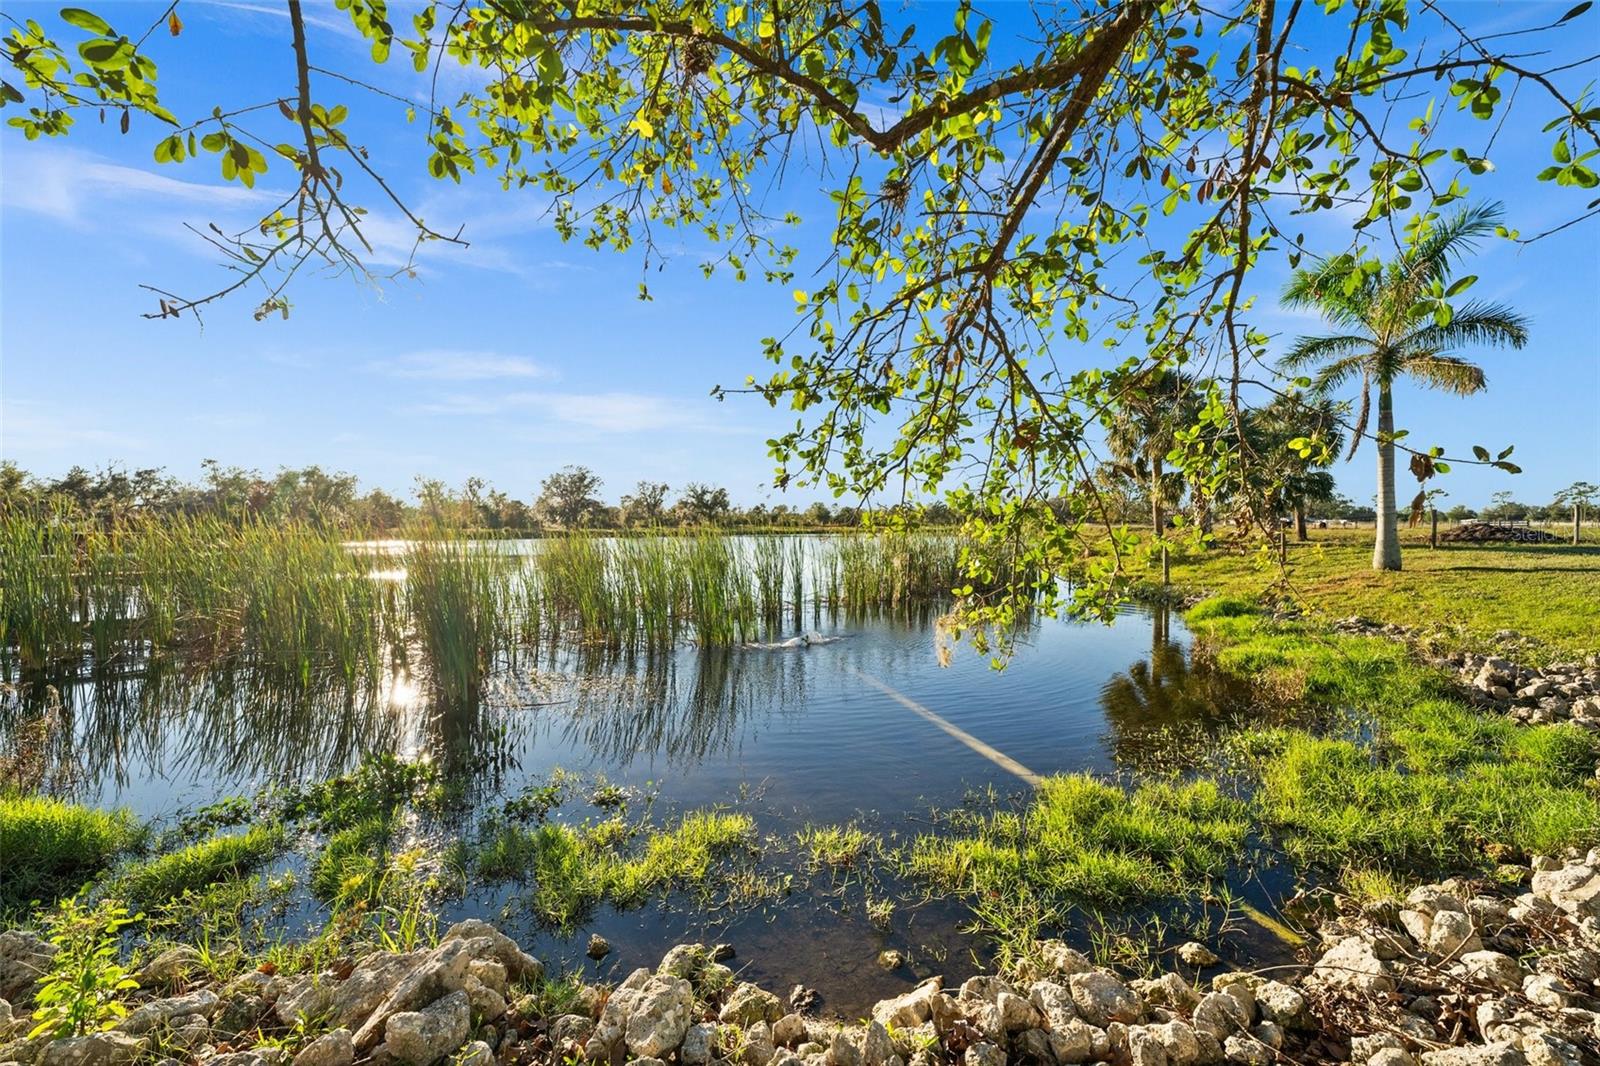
x=1158, y=517
x=1386, y=549
x=1300, y=522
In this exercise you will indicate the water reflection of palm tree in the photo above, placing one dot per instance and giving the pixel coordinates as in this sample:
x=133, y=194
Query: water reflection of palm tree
x=1164, y=695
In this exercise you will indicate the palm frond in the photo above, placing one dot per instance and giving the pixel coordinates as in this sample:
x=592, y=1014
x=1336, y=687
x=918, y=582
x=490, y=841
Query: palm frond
x=1432, y=257
x=1336, y=373
x=1322, y=290
x=1480, y=324
x=1447, y=372
x=1309, y=351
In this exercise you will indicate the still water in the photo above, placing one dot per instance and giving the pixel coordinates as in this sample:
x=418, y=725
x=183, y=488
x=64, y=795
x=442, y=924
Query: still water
x=856, y=722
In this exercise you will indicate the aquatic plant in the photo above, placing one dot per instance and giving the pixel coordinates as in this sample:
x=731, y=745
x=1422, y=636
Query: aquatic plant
x=455, y=594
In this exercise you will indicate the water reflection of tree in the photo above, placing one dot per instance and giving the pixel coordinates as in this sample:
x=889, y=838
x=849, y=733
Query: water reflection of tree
x=686, y=706
x=1163, y=703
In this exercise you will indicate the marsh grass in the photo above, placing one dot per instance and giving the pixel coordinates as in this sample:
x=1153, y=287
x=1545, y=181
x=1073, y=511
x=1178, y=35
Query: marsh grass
x=572, y=869
x=224, y=857
x=295, y=598
x=1081, y=842
x=51, y=848
x=837, y=847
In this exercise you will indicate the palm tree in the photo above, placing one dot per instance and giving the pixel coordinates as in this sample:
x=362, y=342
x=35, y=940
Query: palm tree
x=1282, y=479
x=1143, y=430
x=1396, y=323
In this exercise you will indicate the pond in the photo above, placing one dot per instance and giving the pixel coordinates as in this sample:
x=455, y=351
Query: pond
x=861, y=720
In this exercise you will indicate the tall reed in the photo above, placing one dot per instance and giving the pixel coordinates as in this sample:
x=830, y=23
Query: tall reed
x=456, y=593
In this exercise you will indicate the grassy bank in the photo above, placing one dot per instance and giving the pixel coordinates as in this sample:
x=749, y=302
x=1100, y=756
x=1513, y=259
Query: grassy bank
x=1404, y=775
x=1549, y=594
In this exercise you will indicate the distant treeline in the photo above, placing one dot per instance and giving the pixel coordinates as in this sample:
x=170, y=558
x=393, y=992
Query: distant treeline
x=568, y=499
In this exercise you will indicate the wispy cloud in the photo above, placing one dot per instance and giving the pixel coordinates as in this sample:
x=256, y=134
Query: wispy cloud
x=69, y=185
x=606, y=412
x=444, y=364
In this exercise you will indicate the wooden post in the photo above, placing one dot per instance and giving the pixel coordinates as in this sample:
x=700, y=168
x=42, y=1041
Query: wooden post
x=1433, y=539
x=1283, y=545
x=1577, y=521
x=1166, y=567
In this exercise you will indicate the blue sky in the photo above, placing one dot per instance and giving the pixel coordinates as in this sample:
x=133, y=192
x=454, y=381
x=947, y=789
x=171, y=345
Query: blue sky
x=520, y=354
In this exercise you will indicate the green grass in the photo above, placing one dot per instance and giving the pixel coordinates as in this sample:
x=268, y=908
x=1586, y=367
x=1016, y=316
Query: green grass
x=52, y=848
x=836, y=847
x=224, y=857
x=351, y=862
x=1082, y=842
x=1408, y=777
x=1548, y=593
x=572, y=869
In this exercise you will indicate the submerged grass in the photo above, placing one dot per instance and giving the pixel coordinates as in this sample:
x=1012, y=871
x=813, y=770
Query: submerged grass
x=52, y=848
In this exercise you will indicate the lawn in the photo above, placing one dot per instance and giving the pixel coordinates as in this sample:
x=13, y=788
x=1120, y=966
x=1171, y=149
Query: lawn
x=1549, y=594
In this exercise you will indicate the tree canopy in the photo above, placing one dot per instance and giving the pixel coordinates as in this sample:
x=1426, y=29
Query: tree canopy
x=1105, y=172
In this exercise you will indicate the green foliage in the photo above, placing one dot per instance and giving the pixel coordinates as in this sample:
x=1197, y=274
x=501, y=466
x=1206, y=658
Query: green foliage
x=1434, y=785
x=1334, y=804
x=836, y=847
x=83, y=990
x=1219, y=607
x=51, y=848
x=221, y=857
x=980, y=226
x=572, y=869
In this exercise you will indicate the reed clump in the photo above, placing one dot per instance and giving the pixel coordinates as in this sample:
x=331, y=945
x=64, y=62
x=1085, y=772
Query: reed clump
x=296, y=598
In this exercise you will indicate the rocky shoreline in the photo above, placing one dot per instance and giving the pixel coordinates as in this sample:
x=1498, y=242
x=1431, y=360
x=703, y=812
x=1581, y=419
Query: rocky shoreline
x=1455, y=974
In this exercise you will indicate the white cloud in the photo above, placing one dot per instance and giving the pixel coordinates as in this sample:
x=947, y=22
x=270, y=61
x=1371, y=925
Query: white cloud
x=605, y=412
x=62, y=182
x=444, y=364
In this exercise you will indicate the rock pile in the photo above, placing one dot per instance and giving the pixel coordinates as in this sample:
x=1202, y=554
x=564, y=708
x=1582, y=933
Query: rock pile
x=1449, y=977
x=1559, y=692
x=1492, y=533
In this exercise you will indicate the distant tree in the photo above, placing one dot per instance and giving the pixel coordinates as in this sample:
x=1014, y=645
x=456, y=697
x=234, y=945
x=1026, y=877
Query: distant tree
x=818, y=514
x=646, y=504
x=1577, y=498
x=379, y=512
x=1460, y=511
x=1502, y=507
x=1295, y=439
x=1143, y=430
x=17, y=487
x=568, y=497
x=1396, y=323
x=702, y=504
